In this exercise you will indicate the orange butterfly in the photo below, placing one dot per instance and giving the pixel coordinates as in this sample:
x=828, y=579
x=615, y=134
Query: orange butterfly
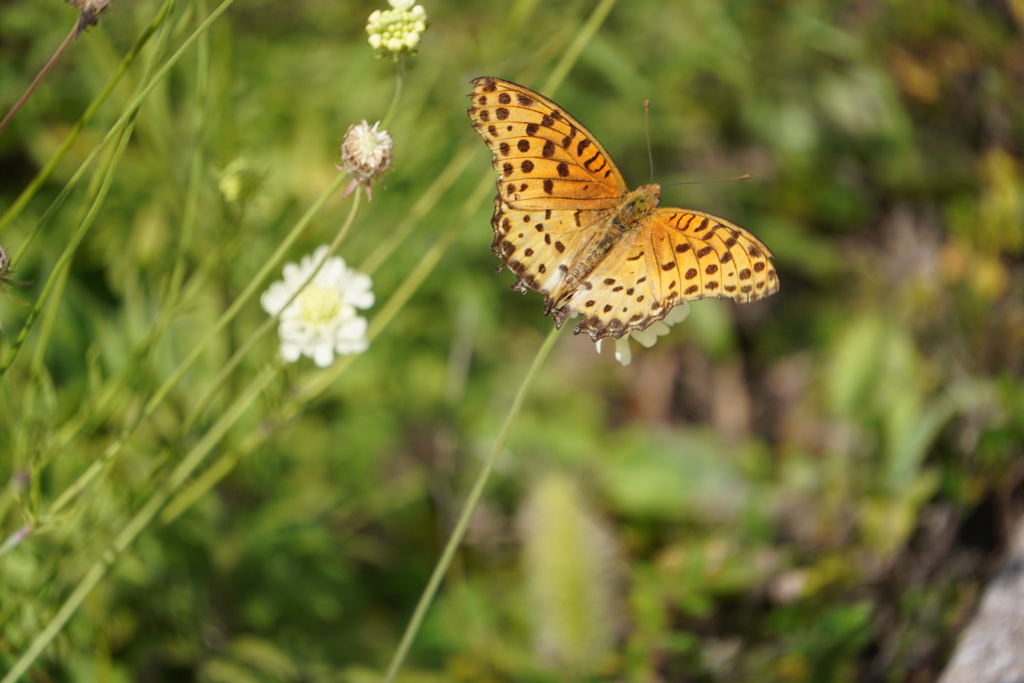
x=566, y=223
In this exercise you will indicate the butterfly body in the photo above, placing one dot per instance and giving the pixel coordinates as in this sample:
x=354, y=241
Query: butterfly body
x=626, y=217
x=567, y=225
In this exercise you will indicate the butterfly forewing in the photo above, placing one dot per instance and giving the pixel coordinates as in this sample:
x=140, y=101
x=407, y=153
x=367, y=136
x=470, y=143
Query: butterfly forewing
x=546, y=158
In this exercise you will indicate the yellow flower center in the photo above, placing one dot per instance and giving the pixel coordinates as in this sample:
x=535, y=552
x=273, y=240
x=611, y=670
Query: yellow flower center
x=319, y=304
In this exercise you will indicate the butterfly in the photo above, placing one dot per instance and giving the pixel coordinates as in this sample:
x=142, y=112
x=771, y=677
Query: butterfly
x=567, y=225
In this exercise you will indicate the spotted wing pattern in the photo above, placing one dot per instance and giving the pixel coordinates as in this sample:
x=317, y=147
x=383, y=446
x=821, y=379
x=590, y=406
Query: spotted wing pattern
x=566, y=224
x=546, y=158
x=672, y=255
x=557, y=186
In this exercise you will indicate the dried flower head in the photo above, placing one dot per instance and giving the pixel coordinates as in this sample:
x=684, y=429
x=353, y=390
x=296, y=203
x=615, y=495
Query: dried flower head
x=396, y=31
x=365, y=154
x=649, y=336
x=321, y=320
x=89, y=12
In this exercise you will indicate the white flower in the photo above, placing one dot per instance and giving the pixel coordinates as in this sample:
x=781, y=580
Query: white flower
x=321, y=321
x=397, y=30
x=647, y=337
x=365, y=154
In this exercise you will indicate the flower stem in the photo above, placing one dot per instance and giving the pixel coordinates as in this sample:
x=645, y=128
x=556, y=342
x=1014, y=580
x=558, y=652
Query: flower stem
x=236, y=358
x=467, y=511
x=140, y=521
x=28, y=93
x=582, y=39
x=213, y=333
x=37, y=182
x=396, y=98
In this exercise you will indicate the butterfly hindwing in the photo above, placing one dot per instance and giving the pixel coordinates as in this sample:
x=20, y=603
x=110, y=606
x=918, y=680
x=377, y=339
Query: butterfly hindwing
x=708, y=256
x=542, y=247
x=619, y=295
x=672, y=255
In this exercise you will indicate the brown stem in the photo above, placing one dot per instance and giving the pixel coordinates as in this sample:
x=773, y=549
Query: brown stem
x=31, y=88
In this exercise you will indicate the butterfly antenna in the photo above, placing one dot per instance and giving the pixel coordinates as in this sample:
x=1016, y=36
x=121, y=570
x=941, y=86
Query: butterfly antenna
x=745, y=176
x=647, y=131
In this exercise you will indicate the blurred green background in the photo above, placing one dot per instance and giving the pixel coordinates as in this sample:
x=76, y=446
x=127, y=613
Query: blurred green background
x=811, y=488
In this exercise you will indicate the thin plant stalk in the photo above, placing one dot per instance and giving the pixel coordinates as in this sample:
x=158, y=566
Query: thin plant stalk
x=269, y=323
x=428, y=199
x=319, y=382
x=586, y=32
x=139, y=522
x=44, y=174
x=467, y=511
x=71, y=248
x=69, y=252
x=557, y=75
x=32, y=88
x=196, y=167
x=316, y=384
x=397, y=97
x=123, y=120
x=161, y=393
x=156, y=503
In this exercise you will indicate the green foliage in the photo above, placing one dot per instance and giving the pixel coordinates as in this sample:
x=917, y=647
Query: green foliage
x=809, y=488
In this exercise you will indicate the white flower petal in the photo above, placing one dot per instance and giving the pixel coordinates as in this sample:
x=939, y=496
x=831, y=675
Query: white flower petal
x=649, y=336
x=290, y=352
x=323, y=355
x=678, y=314
x=623, y=353
x=274, y=299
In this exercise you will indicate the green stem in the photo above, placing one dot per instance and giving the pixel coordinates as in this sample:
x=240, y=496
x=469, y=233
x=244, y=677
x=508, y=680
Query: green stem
x=257, y=281
x=581, y=40
x=396, y=98
x=69, y=251
x=32, y=88
x=50, y=632
x=467, y=511
x=139, y=522
x=319, y=382
x=47, y=170
x=119, y=125
x=269, y=323
x=197, y=168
